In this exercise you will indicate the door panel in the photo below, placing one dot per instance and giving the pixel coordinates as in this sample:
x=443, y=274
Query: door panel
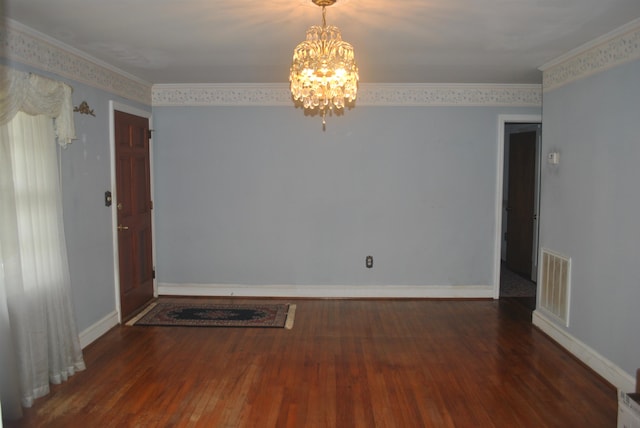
x=521, y=202
x=133, y=184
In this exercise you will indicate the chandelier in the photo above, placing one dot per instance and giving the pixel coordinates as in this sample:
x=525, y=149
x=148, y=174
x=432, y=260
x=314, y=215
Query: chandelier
x=324, y=73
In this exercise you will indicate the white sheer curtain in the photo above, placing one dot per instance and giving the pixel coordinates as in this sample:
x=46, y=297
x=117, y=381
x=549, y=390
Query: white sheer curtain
x=38, y=336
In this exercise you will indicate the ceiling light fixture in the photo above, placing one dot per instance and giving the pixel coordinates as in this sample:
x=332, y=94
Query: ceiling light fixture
x=324, y=73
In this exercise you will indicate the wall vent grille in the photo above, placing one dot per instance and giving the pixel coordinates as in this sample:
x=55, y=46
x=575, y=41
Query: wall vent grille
x=555, y=280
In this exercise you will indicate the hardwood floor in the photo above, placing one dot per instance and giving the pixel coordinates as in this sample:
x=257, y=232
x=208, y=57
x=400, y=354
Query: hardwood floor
x=346, y=363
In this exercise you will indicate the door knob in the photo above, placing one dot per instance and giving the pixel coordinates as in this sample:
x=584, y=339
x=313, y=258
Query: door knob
x=123, y=227
x=119, y=206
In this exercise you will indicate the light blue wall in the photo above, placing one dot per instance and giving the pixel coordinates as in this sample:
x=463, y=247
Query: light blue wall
x=86, y=175
x=590, y=206
x=261, y=195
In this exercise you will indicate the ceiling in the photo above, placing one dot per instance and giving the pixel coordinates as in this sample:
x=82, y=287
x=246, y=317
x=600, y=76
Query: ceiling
x=399, y=41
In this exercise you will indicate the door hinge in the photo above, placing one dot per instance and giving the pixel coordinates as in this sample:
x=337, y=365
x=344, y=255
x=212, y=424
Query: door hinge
x=150, y=205
x=149, y=133
x=153, y=273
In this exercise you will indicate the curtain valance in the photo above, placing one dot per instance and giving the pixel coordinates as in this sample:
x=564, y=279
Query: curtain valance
x=37, y=95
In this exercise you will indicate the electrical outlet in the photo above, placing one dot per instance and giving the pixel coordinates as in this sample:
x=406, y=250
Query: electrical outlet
x=368, y=262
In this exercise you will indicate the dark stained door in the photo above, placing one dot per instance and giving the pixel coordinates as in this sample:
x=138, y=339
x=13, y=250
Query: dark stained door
x=521, y=202
x=134, y=206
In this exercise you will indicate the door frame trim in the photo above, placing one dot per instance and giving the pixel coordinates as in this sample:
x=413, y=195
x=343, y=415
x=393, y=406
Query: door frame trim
x=503, y=119
x=125, y=108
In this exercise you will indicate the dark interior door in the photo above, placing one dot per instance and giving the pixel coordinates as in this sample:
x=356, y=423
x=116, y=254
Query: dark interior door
x=133, y=184
x=521, y=202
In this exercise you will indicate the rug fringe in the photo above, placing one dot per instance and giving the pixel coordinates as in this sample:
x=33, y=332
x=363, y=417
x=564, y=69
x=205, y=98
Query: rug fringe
x=142, y=313
x=290, y=317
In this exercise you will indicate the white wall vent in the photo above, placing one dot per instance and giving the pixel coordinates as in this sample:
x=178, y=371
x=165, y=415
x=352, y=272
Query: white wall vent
x=555, y=281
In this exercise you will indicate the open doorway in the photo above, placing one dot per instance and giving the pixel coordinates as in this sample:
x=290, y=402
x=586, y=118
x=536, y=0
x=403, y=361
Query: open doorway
x=520, y=207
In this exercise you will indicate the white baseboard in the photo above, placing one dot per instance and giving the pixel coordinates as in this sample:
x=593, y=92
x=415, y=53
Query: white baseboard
x=328, y=291
x=92, y=333
x=605, y=368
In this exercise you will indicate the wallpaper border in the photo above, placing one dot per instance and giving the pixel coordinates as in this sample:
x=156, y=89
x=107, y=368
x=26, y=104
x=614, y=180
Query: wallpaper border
x=22, y=44
x=612, y=49
x=369, y=94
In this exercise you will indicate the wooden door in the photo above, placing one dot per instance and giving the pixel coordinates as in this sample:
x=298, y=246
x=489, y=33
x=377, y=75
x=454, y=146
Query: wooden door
x=133, y=186
x=521, y=202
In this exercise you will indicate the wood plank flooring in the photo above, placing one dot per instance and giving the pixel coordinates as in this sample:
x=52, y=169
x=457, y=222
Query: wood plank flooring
x=345, y=363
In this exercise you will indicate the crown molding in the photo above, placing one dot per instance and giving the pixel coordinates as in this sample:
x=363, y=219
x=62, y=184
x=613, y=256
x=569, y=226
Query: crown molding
x=212, y=94
x=610, y=50
x=368, y=95
x=447, y=94
x=30, y=47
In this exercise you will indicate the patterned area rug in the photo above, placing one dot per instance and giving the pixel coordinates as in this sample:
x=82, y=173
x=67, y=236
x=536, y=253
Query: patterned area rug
x=216, y=315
